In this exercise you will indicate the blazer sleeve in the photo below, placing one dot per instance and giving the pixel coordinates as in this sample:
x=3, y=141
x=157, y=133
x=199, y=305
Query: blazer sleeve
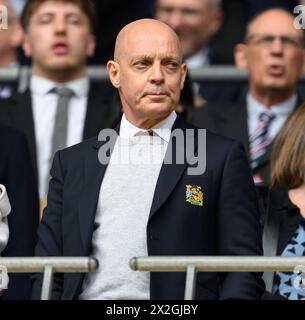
x=49, y=231
x=24, y=217
x=238, y=226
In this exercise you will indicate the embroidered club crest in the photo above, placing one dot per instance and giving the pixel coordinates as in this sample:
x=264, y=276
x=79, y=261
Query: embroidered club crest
x=194, y=195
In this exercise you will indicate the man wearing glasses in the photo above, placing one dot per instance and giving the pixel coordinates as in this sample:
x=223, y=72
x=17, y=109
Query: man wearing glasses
x=273, y=54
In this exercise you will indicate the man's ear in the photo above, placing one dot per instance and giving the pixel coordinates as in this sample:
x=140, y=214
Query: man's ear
x=91, y=46
x=303, y=66
x=241, y=56
x=183, y=75
x=216, y=21
x=17, y=35
x=26, y=46
x=114, y=73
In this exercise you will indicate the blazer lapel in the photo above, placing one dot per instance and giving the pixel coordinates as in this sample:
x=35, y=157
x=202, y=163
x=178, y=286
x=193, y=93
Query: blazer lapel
x=290, y=221
x=93, y=175
x=23, y=119
x=170, y=173
x=234, y=124
x=271, y=231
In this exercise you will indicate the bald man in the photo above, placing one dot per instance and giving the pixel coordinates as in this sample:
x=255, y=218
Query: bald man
x=143, y=200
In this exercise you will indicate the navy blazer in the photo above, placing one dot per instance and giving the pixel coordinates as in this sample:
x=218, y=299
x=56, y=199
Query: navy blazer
x=230, y=120
x=227, y=224
x=16, y=173
x=281, y=222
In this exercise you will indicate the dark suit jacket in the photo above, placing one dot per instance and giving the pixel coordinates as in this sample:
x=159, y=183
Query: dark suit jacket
x=16, y=173
x=231, y=120
x=7, y=89
x=227, y=223
x=282, y=220
x=17, y=112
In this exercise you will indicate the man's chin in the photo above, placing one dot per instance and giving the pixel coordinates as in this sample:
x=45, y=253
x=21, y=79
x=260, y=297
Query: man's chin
x=156, y=109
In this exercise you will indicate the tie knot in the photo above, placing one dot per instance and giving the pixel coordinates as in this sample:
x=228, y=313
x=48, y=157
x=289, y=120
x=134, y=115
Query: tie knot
x=266, y=117
x=146, y=133
x=64, y=92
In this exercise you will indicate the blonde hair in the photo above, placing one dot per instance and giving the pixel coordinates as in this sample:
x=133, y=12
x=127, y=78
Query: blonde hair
x=288, y=154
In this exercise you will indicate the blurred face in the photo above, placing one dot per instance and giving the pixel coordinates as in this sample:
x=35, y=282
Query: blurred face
x=274, y=53
x=195, y=21
x=10, y=38
x=148, y=73
x=59, y=40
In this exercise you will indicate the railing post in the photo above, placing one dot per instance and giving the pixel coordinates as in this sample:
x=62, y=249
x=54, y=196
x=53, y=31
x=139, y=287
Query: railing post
x=47, y=282
x=190, y=283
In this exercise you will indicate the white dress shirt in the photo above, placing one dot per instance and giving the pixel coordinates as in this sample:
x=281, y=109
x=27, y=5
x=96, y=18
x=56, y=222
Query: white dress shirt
x=162, y=129
x=281, y=110
x=44, y=107
x=198, y=60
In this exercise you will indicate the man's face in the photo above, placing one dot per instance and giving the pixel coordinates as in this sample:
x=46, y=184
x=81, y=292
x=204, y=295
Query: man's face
x=10, y=38
x=274, y=52
x=195, y=22
x=148, y=74
x=58, y=39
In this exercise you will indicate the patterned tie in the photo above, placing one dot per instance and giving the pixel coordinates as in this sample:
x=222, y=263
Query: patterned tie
x=290, y=285
x=259, y=139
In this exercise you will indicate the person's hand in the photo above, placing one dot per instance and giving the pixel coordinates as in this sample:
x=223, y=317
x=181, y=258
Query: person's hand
x=5, y=209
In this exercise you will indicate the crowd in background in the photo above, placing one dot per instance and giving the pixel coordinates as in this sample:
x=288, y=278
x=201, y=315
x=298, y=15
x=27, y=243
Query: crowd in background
x=263, y=113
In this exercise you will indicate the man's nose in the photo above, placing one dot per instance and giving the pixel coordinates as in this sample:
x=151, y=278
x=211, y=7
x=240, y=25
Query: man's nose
x=60, y=25
x=157, y=74
x=277, y=46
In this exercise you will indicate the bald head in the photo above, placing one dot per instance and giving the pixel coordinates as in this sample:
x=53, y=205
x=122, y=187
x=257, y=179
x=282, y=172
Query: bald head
x=141, y=30
x=147, y=71
x=269, y=19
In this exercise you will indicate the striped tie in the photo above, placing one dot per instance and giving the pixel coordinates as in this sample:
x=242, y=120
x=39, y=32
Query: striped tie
x=259, y=139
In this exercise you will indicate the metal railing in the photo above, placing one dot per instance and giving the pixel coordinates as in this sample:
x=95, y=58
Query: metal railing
x=189, y=264
x=49, y=265
x=99, y=73
x=193, y=264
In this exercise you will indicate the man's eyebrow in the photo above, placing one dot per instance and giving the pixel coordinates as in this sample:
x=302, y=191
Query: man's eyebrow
x=51, y=13
x=172, y=57
x=168, y=57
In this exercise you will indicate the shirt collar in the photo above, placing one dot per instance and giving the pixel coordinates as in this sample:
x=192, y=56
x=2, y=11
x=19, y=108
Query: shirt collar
x=42, y=86
x=162, y=129
x=198, y=60
x=281, y=109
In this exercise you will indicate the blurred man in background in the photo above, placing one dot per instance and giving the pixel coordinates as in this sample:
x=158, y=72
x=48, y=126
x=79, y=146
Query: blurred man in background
x=273, y=54
x=10, y=40
x=61, y=107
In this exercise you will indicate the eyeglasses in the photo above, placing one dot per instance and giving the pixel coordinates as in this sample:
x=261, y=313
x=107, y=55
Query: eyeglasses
x=268, y=40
